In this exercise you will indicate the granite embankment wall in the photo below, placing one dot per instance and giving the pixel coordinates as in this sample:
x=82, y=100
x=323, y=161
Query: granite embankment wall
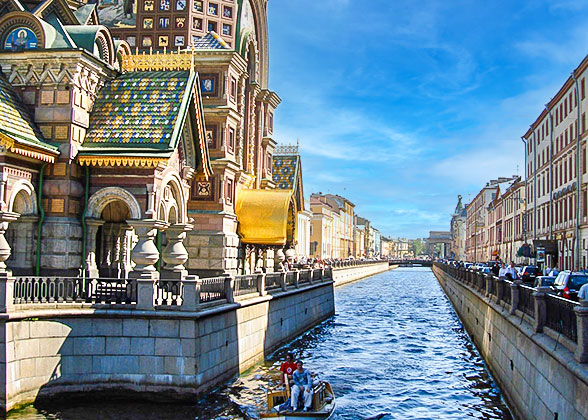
x=49, y=351
x=536, y=372
x=343, y=275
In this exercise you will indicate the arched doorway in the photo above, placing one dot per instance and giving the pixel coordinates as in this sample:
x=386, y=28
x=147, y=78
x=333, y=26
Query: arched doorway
x=21, y=233
x=113, y=241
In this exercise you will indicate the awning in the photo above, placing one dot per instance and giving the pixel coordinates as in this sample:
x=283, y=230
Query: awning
x=266, y=217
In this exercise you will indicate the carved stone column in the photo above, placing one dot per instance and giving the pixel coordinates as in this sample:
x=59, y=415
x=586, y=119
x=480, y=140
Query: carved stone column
x=91, y=235
x=175, y=253
x=514, y=296
x=145, y=254
x=5, y=218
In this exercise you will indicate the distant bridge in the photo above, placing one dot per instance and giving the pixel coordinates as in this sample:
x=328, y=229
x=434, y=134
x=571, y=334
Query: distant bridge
x=411, y=263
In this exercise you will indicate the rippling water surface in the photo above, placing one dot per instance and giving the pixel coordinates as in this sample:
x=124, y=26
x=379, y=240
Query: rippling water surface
x=394, y=350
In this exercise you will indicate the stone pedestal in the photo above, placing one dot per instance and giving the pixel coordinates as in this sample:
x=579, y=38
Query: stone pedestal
x=6, y=292
x=514, y=296
x=145, y=254
x=540, y=307
x=190, y=293
x=261, y=284
x=5, y=218
x=296, y=278
x=499, y=284
x=175, y=254
x=92, y=226
x=283, y=284
x=581, y=311
x=230, y=288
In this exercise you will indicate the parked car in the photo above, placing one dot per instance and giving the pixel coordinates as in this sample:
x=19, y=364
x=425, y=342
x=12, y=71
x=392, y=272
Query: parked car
x=568, y=283
x=544, y=281
x=529, y=273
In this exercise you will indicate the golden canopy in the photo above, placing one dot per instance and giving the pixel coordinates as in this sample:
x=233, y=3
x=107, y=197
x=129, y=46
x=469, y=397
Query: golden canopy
x=266, y=217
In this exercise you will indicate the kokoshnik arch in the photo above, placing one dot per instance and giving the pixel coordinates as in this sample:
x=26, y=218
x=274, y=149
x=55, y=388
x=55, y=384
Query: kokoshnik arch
x=119, y=157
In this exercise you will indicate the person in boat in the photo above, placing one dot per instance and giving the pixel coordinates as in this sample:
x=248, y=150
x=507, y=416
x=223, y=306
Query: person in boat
x=288, y=367
x=302, y=385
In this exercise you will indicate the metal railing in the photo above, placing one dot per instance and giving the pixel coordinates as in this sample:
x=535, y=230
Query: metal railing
x=272, y=281
x=212, y=289
x=74, y=289
x=561, y=316
x=247, y=284
x=166, y=292
x=526, y=302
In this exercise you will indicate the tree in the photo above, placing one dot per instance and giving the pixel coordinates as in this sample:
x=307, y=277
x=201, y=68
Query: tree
x=416, y=246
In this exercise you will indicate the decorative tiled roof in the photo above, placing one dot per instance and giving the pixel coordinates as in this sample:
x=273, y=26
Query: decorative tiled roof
x=211, y=41
x=15, y=120
x=285, y=170
x=140, y=109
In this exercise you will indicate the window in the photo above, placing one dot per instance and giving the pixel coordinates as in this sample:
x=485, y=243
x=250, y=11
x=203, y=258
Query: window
x=583, y=122
x=231, y=140
x=233, y=89
x=211, y=139
x=229, y=191
x=583, y=88
x=212, y=26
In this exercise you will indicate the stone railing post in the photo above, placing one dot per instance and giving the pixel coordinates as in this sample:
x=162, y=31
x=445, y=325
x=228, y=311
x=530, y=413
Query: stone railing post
x=310, y=276
x=229, y=288
x=499, y=288
x=190, y=293
x=261, y=284
x=487, y=284
x=322, y=274
x=581, y=311
x=145, y=254
x=296, y=278
x=6, y=292
x=514, y=296
x=540, y=297
x=283, y=284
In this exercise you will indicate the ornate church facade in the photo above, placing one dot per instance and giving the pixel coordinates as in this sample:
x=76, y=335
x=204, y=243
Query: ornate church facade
x=117, y=162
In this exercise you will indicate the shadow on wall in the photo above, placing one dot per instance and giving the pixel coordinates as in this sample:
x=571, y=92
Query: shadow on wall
x=148, y=358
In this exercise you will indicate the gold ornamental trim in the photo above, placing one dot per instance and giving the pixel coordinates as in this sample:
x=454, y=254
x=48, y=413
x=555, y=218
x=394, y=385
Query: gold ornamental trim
x=120, y=161
x=6, y=141
x=180, y=60
x=33, y=154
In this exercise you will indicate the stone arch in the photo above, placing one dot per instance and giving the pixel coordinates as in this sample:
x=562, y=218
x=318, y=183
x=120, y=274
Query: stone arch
x=103, y=197
x=172, y=199
x=23, y=199
x=21, y=233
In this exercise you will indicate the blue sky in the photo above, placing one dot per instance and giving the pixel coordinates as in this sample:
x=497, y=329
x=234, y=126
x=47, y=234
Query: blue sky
x=402, y=105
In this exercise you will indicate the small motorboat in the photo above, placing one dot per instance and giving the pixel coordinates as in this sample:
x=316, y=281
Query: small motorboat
x=323, y=404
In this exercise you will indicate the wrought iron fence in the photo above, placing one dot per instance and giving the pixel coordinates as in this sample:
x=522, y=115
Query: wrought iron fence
x=74, y=289
x=561, y=316
x=304, y=276
x=212, y=289
x=272, y=281
x=169, y=292
x=290, y=278
x=526, y=300
x=245, y=285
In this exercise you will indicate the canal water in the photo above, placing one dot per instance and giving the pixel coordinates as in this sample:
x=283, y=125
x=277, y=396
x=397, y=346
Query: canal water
x=394, y=350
